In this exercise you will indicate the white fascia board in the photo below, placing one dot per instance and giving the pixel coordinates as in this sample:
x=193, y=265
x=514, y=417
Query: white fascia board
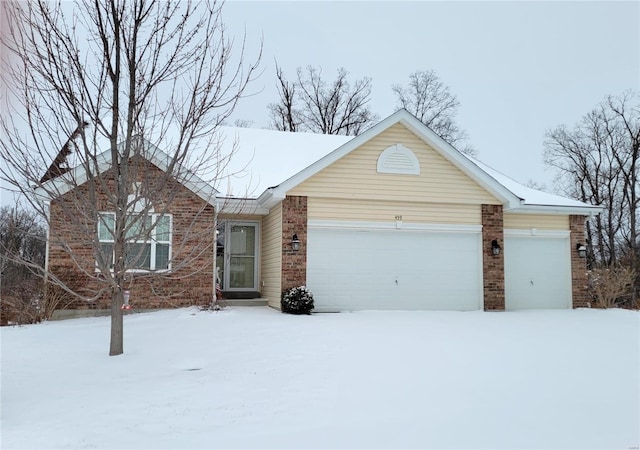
x=187, y=178
x=281, y=190
x=458, y=159
x=556, y=210
x=440, y=145
x=72, y=179
x=78, y=175
x=268, y=199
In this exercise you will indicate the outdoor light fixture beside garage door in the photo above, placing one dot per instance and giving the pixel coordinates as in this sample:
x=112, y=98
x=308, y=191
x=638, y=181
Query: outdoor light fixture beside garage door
x=495, y=247
x=582, y=250
x=295, y=242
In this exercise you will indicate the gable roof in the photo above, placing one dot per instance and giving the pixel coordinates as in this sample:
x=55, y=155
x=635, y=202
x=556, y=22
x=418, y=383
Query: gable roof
x=405, y=118
x=78, y=175
x=266, y=164
x=515, y=196
x=262, y=159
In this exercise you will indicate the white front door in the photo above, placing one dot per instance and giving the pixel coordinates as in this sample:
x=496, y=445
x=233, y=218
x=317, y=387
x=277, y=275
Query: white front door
x=237, y=255
x=359, y=269
x=537, y=271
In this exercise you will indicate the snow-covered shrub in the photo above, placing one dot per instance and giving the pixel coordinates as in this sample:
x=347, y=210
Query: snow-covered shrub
x=610, y=286
x=297, y=300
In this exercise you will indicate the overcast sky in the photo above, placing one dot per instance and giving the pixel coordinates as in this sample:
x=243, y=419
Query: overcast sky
x=517, y=68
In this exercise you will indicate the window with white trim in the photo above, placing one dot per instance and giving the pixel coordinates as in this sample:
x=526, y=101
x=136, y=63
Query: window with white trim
x=148, y=245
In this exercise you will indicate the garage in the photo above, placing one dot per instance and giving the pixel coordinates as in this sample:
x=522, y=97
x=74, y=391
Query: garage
x=363, y=268
x=537, y=270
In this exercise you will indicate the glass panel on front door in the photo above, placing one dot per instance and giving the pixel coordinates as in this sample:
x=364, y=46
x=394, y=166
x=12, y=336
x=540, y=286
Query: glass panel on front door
x=236, y=255
x=242, y=257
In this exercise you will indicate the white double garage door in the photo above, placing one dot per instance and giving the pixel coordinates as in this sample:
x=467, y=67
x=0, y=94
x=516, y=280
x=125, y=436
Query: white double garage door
x=351, y=267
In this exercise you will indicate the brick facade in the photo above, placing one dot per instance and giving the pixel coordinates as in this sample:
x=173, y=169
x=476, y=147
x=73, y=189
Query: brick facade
x=294, y=221
x=579, y=282
x=72, y=231
x=492, y=265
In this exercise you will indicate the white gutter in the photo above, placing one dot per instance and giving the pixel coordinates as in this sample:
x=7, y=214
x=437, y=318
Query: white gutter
x=556, y=210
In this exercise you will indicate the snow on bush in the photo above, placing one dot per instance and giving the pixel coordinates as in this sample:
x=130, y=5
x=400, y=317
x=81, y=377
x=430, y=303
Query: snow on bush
x=297, y=300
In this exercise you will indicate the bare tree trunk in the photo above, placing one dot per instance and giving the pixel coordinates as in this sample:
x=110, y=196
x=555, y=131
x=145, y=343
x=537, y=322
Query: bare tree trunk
x=116, y=342
x=123, y=84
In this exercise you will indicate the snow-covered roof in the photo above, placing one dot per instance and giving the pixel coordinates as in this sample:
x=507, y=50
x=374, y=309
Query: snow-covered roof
x=534, y=198
x=272, y=162
x=262, y=159
x=263, y=165
x=78, y=175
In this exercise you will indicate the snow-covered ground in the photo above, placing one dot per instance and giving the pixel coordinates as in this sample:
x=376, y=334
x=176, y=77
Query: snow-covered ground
x=255, y=378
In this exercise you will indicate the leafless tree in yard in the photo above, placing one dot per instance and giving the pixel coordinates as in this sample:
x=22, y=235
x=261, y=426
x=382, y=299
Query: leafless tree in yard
x=598, y=162
x=310, y=103
x=430, y=100
x=116, y=89
x=284, y=115
x=22, y=253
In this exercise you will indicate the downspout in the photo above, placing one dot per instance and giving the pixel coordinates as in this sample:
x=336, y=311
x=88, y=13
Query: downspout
x=46, y=247
x=216, y=205
x=45, y=277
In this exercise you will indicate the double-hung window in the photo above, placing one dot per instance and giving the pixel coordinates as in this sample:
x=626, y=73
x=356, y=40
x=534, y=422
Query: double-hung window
x=148, y=240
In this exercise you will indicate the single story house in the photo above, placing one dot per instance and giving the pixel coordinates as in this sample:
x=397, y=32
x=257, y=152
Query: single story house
x=395, y=218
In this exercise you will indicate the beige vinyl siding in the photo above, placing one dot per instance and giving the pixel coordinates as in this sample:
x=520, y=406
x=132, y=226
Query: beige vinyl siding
x=539, y=221
x=355, y=176
x=386, y=211
x=271, y=268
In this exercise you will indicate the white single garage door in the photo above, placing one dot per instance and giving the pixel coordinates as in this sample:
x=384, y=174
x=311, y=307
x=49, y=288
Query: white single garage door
x=537, y=271
x=358, y=269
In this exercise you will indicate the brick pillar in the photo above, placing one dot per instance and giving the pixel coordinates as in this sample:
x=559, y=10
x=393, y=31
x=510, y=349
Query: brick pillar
x=579, y=282
x=294, y=263
x=492, y=265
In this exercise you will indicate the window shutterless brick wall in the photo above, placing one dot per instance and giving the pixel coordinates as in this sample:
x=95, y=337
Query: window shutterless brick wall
x=294, y=221
x=493, y=265
x=189, y=283
x=579, y=282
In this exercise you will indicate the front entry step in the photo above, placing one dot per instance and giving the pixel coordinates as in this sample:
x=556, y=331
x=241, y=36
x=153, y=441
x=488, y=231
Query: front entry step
x=243, y=302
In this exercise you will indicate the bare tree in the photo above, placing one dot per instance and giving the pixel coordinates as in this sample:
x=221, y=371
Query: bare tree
x=22, y=239
x=597, y=162
x=430, y=100
x=110, y=91
x=22, y=247
x=622, y=128
x=284, y=116
x=312, y=104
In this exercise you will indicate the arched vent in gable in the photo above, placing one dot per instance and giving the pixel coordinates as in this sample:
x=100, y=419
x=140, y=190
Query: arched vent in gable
x=398, y=159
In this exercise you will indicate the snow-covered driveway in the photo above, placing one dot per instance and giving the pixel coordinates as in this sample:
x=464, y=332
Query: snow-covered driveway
x=255, y=378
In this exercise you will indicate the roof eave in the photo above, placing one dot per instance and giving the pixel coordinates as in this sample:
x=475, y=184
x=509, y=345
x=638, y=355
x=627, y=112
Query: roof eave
x=587, y=210
x=440, y=145
x=236, y=206
x=458, y=159
x=268, y=199
x=76, y=177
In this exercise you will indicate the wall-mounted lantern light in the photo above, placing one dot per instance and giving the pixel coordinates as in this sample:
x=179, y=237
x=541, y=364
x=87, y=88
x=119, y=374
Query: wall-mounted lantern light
x=582, y=250
x=295, y=243
x=495, y=247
